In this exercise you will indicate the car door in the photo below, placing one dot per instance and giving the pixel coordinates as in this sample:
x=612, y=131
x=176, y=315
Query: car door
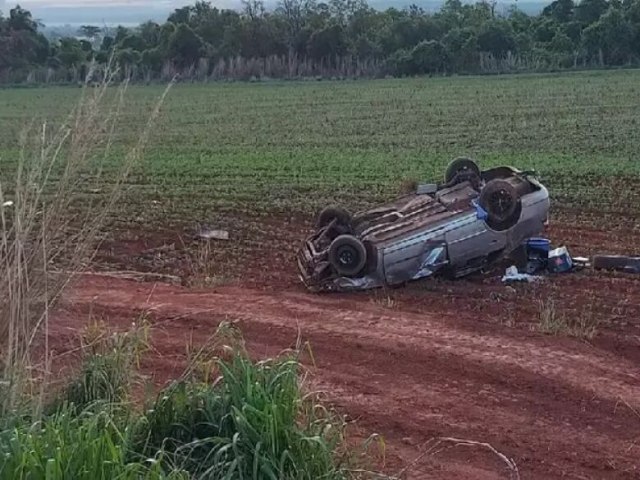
x=472, y=240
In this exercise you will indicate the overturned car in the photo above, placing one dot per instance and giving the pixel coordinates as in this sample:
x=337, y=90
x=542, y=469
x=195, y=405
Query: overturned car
x=454, y=228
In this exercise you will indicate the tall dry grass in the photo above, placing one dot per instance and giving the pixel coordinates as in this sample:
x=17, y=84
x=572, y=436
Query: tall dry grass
x=48, y=229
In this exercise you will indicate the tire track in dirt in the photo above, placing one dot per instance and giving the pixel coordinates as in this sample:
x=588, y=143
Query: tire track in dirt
x=554, y=406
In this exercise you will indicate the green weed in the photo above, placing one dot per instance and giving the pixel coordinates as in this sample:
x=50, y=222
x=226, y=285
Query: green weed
x=252, y=421
x=89, y=445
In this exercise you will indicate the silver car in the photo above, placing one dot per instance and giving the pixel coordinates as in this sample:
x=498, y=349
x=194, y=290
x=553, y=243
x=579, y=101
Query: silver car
x=458, y=227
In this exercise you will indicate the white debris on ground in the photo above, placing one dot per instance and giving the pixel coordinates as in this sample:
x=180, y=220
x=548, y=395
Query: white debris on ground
x=513, y=275
x=8, y=203
x=209, y=234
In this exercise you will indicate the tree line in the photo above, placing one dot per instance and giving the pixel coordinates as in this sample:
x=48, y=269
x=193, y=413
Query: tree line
x=338, y=37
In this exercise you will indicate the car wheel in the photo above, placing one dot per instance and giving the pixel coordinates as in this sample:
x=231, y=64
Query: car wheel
x=463, y=166
x=329, y=214
x=501, y=202
x=347, y=255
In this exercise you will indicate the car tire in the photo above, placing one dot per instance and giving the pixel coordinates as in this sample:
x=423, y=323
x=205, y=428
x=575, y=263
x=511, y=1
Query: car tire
x=329, y=214
x=461, y=165
x=347, y=255
x=620, y=263
x=501, y=201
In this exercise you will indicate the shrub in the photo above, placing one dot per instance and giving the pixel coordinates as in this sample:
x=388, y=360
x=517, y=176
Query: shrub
x=252, y=421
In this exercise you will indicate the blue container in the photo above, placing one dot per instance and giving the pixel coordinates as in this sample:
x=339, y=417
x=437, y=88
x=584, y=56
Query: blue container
x=537, y=254
x=538, y=245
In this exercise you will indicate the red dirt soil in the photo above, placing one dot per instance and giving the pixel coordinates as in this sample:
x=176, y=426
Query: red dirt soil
x=437, y=359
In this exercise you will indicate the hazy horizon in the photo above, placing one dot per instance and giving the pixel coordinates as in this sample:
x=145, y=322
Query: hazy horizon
x=133, y=12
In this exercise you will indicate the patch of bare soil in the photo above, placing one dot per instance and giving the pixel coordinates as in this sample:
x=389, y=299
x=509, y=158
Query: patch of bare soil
x=439, y=358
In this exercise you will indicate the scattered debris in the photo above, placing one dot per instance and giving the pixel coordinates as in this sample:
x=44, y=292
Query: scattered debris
x=559, y=260
x=513, y=275
x=537, y=253
x=540, y=258
x=208, y=234
x=581, y=261
x=8, y=203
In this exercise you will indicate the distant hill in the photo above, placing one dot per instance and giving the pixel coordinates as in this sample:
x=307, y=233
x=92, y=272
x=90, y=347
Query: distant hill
x=530, y=7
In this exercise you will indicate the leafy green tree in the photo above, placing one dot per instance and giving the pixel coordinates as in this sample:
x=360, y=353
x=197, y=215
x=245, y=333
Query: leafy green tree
x=400, y=63
x=633, y=14
x=294, y=14
x=127, y=58
x=429, y=56
x=231, y=44
x=327, y=42
x=479, y=13
x=559, y=10
x=496, y=37
x=185, y=46
x=451, y=15
x=364, y=47
x=21, y=19
x=181, y=15
x=134, y=42
x=21, y=45
x=121, y=34
x=149, y=33
x=520, y=21
x=546, y=29
x=573, y=30
x=462, y=47
x=166, y=32
x=410, y=40
x=561, y=43
x=589, y=11
x=107, y=44
x=611, y=36
x=210, y=24
x=70, y=52
x=153, y=59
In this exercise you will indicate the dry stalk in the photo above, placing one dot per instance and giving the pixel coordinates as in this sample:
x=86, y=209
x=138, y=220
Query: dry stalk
x=42, y=225
x=432, y=449
x=514, y=474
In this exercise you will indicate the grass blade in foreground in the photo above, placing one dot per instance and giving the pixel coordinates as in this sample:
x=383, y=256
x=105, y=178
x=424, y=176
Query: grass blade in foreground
x=39, y=227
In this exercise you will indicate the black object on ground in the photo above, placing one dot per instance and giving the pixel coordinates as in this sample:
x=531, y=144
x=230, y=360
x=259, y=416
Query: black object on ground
x=621, y=263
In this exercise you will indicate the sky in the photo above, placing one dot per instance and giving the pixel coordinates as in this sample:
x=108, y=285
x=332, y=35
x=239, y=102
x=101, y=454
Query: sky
x=33, y=4
x=58, y=12
x=134, y=12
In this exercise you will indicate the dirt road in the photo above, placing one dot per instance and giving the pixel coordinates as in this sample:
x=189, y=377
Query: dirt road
x=419, y=364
